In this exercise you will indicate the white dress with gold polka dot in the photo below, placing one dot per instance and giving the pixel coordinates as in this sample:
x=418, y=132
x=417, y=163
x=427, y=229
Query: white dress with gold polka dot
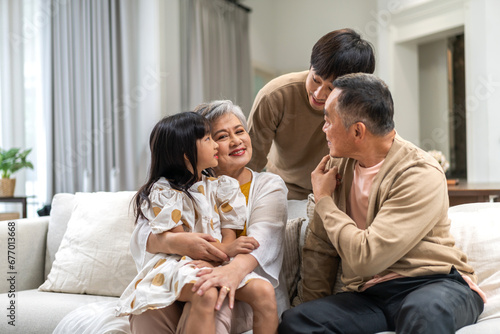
x=218, y=203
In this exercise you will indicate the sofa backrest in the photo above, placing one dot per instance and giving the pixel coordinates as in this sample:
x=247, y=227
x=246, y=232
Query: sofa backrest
x=62, y=206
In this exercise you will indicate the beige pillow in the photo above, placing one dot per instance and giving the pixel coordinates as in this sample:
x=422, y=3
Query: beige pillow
x=94, y=256
x=291, y=257
x=297, y=299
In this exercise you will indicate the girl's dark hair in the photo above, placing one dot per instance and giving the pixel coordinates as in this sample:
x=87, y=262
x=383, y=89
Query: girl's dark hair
x=173, y=138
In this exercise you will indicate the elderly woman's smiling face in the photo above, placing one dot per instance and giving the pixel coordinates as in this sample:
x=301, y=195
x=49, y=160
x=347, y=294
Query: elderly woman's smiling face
x=235, y=146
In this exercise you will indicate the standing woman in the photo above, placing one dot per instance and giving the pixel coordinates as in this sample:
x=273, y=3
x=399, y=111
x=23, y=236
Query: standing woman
x=266, y=196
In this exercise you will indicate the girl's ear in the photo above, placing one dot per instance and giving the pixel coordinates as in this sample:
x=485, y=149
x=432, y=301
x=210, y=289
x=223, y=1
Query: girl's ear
x=188, y=164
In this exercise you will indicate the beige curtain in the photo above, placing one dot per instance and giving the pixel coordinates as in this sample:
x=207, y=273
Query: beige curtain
x=215, y=53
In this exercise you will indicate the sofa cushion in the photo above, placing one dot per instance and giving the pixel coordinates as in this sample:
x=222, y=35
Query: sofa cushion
x=40, y=312
x=476, y=228
x=94, y=256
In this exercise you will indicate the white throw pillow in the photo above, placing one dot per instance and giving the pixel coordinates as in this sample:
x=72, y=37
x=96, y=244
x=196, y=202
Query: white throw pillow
x=94, y=256
x=476, y=228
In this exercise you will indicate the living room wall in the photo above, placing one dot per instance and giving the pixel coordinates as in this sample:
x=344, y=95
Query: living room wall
x=407, y=26
x=283, y=32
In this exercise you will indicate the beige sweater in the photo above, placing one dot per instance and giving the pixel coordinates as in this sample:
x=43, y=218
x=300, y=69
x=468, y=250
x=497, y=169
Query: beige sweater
x=286, y=133
x=408, y=229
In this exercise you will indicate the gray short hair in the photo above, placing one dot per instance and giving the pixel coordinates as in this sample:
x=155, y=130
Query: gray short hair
x=215, y=109
x=365, y=98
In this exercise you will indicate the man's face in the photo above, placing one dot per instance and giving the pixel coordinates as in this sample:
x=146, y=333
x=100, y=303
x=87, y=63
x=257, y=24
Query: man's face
x=318, y=89
x=336, y=134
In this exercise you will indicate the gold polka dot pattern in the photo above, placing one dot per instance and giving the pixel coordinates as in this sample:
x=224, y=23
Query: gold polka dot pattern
x=201, y=189
x=225, y=207
x=158, y=280
x=176, y=215
x=156, y=210
x=159, y=263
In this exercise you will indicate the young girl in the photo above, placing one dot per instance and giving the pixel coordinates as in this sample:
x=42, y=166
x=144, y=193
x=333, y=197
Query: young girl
x=182, y=196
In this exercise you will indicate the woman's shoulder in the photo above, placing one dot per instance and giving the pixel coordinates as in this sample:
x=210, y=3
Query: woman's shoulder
x=267, y=180
x=263, y=177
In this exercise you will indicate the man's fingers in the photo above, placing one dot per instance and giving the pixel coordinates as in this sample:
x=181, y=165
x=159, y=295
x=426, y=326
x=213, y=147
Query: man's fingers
x=322, y=164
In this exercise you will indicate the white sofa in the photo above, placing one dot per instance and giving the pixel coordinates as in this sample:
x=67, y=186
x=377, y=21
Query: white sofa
x=90, y=234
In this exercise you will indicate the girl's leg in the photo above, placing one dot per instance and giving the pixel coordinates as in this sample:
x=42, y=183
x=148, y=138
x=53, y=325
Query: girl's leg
x=261, y=297
x=202, y=314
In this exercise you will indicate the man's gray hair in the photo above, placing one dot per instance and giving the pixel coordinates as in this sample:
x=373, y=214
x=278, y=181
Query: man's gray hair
x=365, y=98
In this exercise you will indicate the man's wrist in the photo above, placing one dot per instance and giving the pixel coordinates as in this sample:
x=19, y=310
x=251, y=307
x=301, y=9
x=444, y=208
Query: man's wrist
x=318, y=197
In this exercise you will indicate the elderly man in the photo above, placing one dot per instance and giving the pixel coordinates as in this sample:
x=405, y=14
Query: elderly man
x=381, y=212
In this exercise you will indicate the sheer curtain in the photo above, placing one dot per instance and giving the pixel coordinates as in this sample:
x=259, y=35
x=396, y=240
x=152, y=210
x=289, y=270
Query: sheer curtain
x=25, y=92
x=215, y=54
x=12, y=93
x=96, y=96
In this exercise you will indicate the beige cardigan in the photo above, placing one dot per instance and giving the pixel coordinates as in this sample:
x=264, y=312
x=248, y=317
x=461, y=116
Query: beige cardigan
x=408, y=229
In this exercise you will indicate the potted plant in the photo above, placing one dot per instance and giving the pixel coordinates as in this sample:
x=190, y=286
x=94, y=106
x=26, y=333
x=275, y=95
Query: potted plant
x=10, y=162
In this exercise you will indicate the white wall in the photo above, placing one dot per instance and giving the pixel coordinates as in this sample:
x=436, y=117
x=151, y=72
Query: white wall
x=405, y=28
x=482, y=72
x=433, y=96
x=283, y=32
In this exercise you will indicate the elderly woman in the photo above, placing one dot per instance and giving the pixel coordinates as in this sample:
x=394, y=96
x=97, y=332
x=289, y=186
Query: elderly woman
x=266, y=196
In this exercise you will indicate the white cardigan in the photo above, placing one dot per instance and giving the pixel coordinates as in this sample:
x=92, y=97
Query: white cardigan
x=266, y=220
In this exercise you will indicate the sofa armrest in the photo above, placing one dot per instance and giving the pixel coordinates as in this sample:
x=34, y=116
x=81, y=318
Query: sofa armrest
x=22, y=257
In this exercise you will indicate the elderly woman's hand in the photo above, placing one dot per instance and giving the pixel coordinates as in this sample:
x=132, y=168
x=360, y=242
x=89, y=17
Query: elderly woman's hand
x=226, y=277
x=195, y=245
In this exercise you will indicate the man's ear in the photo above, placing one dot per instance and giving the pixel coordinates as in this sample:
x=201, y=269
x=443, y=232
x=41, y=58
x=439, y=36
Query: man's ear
x=359, y=130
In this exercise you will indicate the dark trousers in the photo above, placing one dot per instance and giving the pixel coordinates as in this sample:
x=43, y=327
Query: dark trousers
x=426, y=304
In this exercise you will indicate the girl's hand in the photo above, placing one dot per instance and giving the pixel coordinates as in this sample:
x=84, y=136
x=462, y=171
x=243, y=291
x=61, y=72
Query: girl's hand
x=202, y=264
x=241, y=245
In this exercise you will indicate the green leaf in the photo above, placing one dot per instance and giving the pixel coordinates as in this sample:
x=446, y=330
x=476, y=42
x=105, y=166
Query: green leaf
x=13, y=160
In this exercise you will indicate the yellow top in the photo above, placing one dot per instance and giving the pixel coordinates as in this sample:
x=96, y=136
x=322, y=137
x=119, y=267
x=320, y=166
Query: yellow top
x=245, y=189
